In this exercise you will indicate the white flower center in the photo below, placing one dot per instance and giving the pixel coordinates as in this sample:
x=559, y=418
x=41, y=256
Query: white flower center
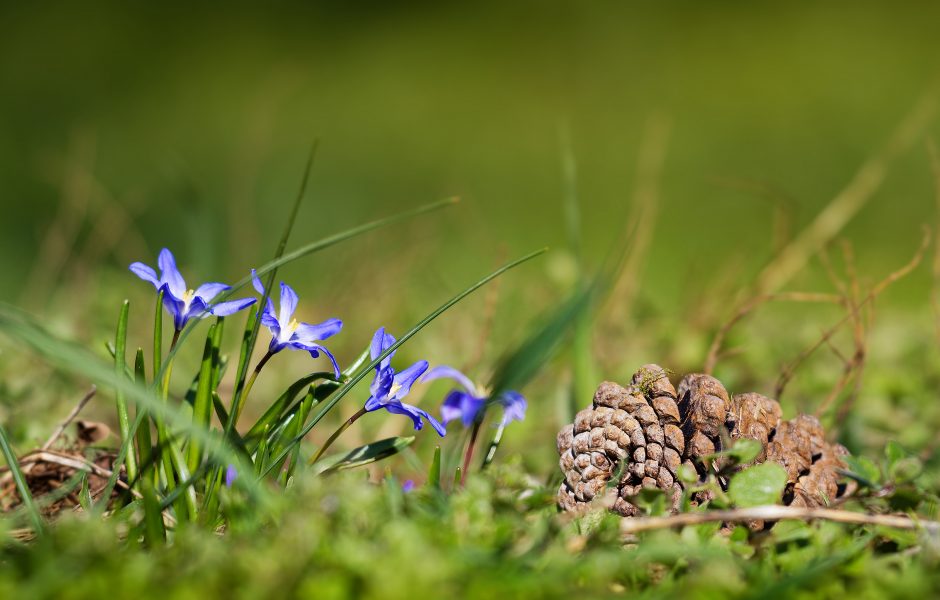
x=288, y=331
x=188, y=299
x=394, y=389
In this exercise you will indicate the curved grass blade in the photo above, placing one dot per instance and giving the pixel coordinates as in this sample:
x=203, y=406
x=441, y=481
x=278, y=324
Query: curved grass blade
x=521, y=365
x=255, y=324
x=347, y=387
x=25, y=495
x=322, y=245
x=73, y=358
x=363, y=455
x=271, y=417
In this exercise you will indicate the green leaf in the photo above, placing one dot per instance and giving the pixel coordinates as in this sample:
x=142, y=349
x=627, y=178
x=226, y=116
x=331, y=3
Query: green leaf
x=758, y=485
x=863, y=470
x=25, y=494
x=272, y=416
x=364, y=455
x=745, y=450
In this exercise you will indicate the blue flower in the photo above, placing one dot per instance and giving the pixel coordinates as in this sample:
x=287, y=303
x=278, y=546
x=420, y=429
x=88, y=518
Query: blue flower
x=467, y=403
x=388, y=387
x=184, y=303
x=231, y=474
x=286, y=332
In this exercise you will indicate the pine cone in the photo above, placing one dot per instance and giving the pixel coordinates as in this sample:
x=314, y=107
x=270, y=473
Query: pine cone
x=632, y=434
x=637, y=437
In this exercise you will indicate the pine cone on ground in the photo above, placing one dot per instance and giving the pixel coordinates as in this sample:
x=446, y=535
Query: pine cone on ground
x=637, y=437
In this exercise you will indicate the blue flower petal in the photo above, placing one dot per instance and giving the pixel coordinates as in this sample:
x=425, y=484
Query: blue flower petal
x=146, y=273
x=170, y=275
x=382, y=382
x=208, y=291
x=315, y=350
x=256, y=282
x=416, y=414
x=514, y=406
x=460, y=405
x=223, y=309
x=407, y=377
x=451, y=373
x=270, y=321
x=373, y=404
x=288, y=304
x=174, y=306
x=308, y=333
x=231, y=474
x=380, y=343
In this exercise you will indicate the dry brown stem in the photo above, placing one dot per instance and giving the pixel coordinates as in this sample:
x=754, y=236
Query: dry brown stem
x=848, y=202
x=633, y=525
x=714, y=352
x=788, y=371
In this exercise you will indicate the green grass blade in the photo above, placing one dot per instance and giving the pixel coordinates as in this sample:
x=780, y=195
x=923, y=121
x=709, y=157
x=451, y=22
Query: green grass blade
x=521, y=365
x=120, y=370
x=144, y=441
x=363, y=455
x=321, y=245
x=202, y=404
x=25, y=495
x=75, y=359
x=348, y=386
x=154, y=530
x=158, y=338
x=271, y=417
x=252, y=337
x=434, y=473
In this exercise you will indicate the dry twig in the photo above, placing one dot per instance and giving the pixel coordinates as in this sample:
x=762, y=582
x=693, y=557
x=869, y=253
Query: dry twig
x=632, y=525
x=714, y=352
x=787, y=373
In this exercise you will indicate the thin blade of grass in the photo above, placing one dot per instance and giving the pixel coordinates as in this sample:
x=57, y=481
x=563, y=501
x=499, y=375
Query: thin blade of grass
x=120, y=370
x=25, y=495
x=202, y=403
x=348, y=386
x=144, y=441
x=252, y=337
x=434, y=474
x=75, y=359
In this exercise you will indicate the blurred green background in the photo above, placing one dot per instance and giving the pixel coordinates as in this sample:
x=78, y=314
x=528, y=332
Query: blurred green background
x=129, y=127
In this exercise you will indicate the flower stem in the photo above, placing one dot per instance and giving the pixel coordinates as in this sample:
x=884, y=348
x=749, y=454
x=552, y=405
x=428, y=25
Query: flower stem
x=337, y=433
x=469, y=454
x=251, y=382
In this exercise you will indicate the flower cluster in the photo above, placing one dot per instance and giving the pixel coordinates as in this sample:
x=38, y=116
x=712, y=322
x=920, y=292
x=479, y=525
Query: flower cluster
x=389, y=387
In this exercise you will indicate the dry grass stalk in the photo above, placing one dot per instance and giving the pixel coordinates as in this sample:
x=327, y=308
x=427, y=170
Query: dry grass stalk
x=848, y=202
x=643, y=216
x=714, y=351
x=788, y=371
x=633, y=525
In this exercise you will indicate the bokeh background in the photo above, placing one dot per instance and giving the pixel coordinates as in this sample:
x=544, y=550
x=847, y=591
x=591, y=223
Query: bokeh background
x=129, y=127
